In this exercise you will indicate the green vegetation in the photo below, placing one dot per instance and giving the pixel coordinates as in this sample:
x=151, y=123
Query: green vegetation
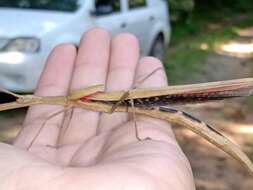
x=194, y=41
x=180, y=10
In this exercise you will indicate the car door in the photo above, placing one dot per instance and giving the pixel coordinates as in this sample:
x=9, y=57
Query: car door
x=108, y=14
x=139, y=21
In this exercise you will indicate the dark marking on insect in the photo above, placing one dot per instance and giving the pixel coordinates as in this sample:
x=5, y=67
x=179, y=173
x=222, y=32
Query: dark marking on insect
x=199, y=121
x=172, y=99
x=171, y=110
x=191, y=117
x=166, y=109
x=214, y=130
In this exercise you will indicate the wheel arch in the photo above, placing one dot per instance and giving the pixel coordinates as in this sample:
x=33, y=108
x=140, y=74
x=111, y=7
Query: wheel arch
x=156, y=33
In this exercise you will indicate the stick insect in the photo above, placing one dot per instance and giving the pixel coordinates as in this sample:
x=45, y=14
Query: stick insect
x=153, y=103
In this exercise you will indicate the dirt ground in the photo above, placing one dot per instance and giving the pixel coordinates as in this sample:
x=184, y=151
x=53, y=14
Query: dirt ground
x=212, y=168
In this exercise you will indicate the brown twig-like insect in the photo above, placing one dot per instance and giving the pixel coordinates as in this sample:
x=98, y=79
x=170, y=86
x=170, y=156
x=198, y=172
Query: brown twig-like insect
x=152, y=102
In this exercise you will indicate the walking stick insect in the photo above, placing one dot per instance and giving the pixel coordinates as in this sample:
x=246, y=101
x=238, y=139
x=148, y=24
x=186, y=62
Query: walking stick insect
x=152, y=102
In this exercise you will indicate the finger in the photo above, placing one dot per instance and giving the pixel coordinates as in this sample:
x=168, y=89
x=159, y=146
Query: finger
x=60, y=60
x=149, y=75
x=124, y=59
x=90, y=69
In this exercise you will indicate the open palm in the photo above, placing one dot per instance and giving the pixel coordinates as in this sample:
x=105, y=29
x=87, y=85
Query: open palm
x=95, y=150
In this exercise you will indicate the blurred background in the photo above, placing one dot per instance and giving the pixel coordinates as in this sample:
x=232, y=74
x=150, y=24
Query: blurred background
x=198, y=41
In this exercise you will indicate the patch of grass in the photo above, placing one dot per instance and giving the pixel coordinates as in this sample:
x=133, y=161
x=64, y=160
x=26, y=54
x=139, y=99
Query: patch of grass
x=193, y=42
x=181, y=65
x=249, y=102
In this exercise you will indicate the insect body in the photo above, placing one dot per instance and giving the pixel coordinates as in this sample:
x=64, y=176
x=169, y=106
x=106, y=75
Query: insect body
x=151, y=102
x=181, y=94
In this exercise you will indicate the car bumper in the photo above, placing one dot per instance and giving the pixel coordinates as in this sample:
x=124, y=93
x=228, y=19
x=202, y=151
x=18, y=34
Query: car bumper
x=19, y=72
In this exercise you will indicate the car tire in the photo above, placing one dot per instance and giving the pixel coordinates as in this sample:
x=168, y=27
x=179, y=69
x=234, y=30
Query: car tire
x=158, y=48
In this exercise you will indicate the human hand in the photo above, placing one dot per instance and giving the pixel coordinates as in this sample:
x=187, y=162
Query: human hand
x=97, y=150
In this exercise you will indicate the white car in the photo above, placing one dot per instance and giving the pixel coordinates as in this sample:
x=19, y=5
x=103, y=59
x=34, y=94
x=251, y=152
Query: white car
x=30, y=29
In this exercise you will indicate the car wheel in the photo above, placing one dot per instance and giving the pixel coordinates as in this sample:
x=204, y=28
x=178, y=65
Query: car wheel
x=158, y=48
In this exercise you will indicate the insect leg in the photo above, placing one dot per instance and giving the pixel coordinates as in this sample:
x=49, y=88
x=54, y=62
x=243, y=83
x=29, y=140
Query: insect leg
x=138, y=83
x=11, y=93
x=65, y=125
x=135, y=122
x=123, y=97
x=43, y=125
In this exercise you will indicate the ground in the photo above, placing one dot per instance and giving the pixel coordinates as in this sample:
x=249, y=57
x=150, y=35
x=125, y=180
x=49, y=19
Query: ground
x=212, y=168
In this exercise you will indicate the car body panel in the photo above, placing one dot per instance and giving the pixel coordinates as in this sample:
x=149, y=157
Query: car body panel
x=20, y=71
